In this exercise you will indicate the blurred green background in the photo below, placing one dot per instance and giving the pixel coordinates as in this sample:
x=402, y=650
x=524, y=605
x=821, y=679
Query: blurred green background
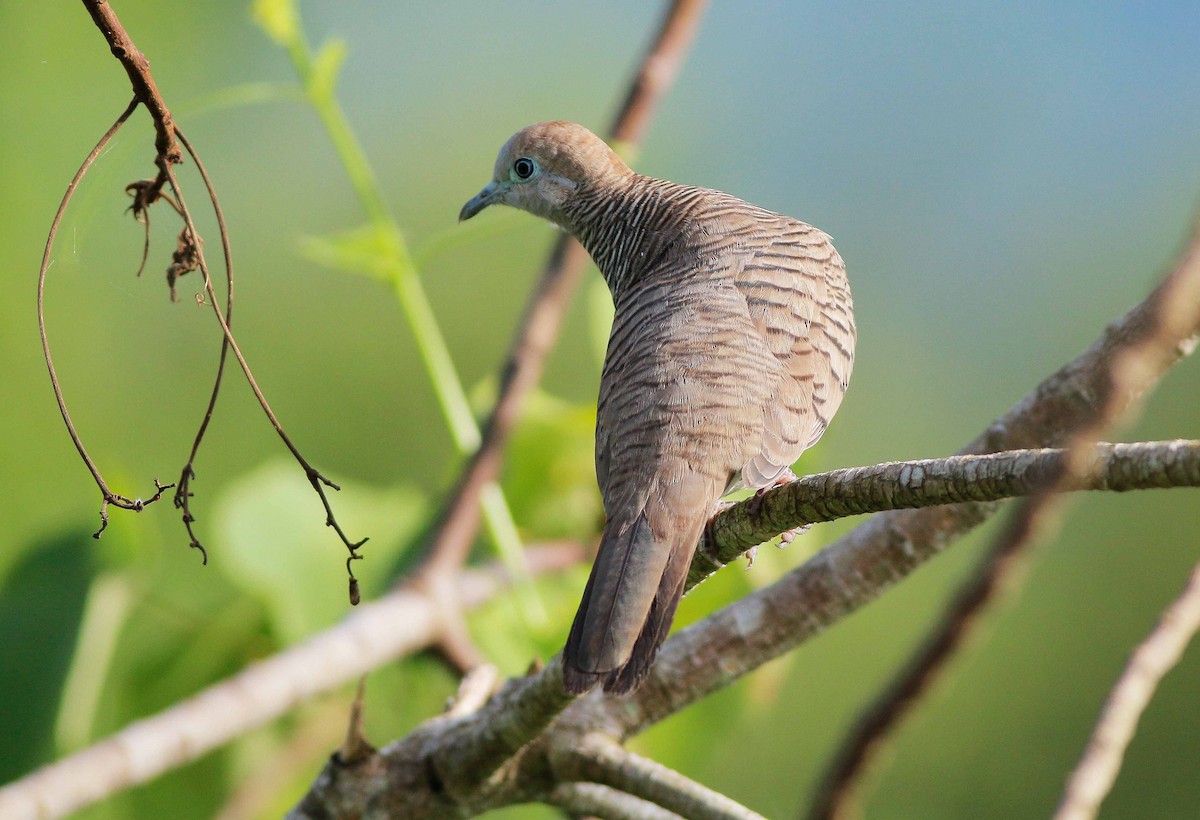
x=1002, y=179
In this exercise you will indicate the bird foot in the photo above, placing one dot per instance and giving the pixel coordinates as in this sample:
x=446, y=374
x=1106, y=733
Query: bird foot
x=786, y=538
x=756, y=500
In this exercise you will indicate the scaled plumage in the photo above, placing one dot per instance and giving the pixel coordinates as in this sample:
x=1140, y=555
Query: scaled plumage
x=730, y=351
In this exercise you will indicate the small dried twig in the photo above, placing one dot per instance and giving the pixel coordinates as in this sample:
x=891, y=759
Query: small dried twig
x=473, y=691
x=108, y=497
x=1154, y=657
x=183, y=493
x=356, y=748
x=188, y=256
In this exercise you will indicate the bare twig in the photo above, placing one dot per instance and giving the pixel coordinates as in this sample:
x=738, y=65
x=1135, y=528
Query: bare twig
x=138, y=68
x=588, y=799
x=1166, y=330
x=474, y=690
x=108, y=496
x=598, y=759
x=1154, y=657
x=356, y=747
x=189, y=255
x=538, y=330
x=183, y=492
x=377, y=633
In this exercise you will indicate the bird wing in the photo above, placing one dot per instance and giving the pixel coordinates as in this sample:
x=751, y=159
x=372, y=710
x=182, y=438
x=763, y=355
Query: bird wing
x=799, y=302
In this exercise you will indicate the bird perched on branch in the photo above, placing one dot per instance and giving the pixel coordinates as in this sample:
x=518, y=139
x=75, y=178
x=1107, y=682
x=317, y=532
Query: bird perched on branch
x=730, y=351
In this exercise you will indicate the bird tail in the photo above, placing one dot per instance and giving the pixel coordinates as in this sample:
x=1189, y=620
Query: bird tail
x=628, y=604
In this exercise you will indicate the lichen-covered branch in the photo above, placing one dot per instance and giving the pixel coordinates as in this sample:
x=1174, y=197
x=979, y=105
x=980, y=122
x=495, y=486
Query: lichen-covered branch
x=929, y=482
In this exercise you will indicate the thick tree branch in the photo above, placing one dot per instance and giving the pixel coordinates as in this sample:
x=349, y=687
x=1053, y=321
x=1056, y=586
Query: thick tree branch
x=457, y=767
x=1093, y=778
x=372, y=635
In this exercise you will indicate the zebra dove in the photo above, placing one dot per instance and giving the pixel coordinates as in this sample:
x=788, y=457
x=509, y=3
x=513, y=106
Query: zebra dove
x=730, y=350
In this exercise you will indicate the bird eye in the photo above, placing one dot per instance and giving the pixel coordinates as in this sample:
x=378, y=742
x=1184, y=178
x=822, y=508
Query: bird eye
x=524, y=168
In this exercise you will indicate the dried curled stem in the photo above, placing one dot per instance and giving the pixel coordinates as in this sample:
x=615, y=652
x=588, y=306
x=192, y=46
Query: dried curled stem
x=188, y=256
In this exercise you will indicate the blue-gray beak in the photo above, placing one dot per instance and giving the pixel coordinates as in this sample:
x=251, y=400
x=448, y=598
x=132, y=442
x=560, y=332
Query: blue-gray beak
x=491, y=192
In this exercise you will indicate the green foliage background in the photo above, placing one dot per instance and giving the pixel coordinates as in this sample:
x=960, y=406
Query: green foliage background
x=1002, y=181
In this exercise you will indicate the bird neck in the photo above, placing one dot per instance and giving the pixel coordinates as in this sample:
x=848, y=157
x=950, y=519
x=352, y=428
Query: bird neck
x=627, y=226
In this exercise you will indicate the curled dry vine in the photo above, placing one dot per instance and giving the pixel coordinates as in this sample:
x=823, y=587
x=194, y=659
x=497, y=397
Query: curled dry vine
x=187, y=257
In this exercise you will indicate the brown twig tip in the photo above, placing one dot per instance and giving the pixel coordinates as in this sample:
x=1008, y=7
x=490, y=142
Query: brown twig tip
x=356, y=747
x=124, y=503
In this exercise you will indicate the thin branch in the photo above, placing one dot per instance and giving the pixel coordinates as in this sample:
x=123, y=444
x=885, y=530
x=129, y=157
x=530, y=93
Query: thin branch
x=183, y=492
x=138, y=68
x=108, y=497
x=1169, y=320
x=592, y=799
x=538, y=330
x=1093, y=778
x=375, y=634
x=598, y=759
x=356, y=747
x=188, y=256
x=315, y=478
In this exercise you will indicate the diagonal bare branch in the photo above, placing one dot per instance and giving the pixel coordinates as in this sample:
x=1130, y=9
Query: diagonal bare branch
x=1165, y=330
x=1151, y=661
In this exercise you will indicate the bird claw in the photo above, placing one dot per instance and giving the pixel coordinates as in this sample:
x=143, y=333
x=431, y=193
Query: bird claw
x=786, y=538
x=750, y=554
x=756, y=500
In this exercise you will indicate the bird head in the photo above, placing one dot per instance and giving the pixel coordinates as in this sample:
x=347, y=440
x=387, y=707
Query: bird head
x=543, y=167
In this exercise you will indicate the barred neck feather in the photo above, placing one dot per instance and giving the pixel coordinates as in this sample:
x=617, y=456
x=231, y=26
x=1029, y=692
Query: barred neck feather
x=629, y=225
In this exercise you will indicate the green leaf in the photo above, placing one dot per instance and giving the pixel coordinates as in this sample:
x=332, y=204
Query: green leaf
x=365, y=250
x=550, y=477
x=273, y=543
x=278, y=18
